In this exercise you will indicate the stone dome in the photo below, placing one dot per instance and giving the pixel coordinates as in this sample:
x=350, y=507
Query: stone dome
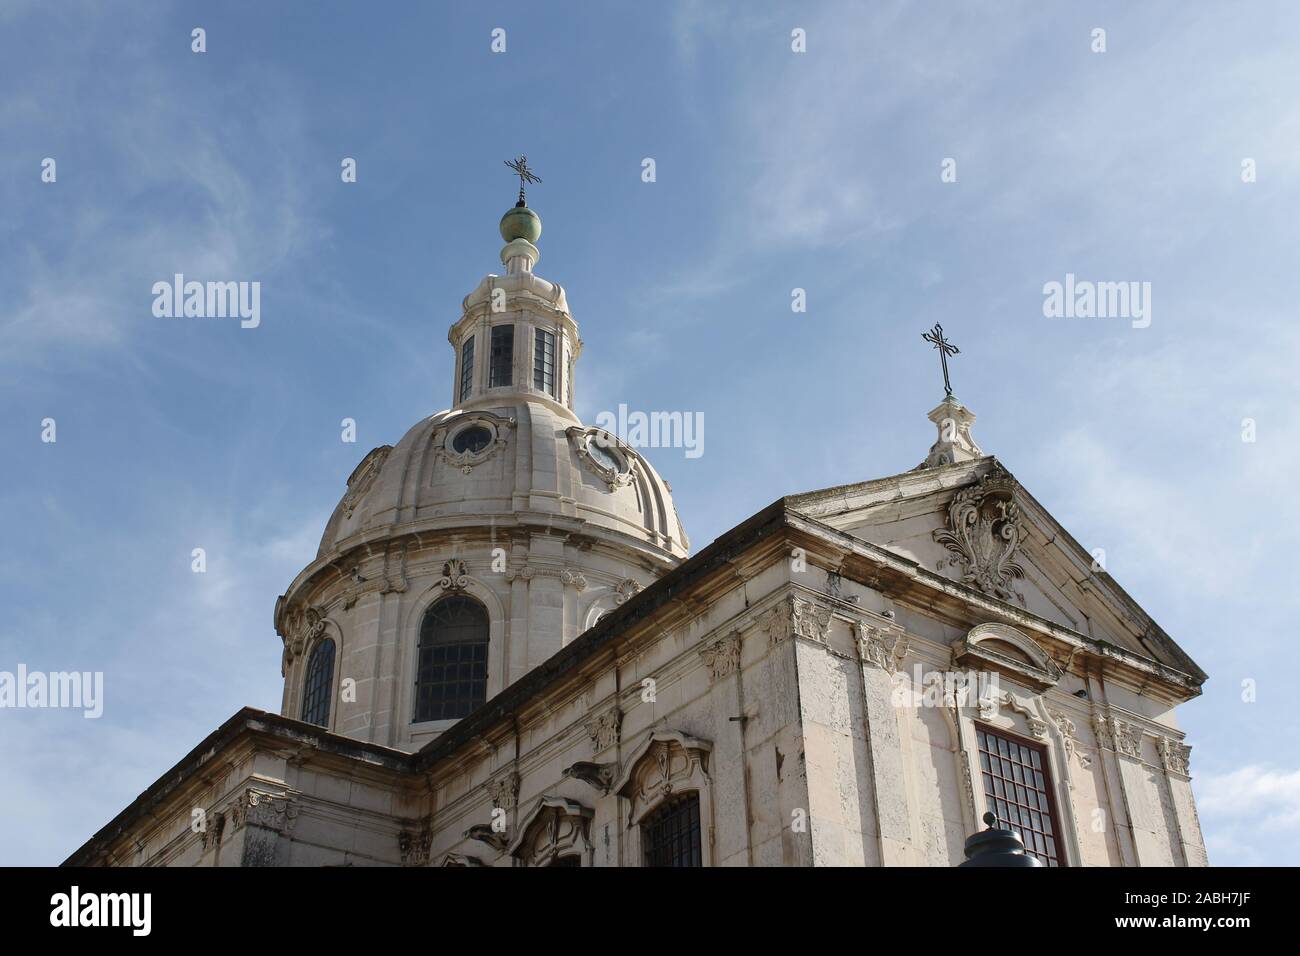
x=504, y=512
x=536, y=464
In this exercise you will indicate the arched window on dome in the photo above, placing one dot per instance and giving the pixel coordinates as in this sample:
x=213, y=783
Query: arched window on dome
x=451, y=674
x=318, y=687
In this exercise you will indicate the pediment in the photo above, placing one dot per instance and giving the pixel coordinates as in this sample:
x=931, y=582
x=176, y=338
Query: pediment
x=975, y=524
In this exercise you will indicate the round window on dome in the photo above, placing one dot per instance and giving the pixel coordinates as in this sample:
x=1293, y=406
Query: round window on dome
x=472, y=440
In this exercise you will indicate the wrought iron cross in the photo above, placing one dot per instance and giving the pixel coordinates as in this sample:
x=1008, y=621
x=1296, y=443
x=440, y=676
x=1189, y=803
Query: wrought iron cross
x=946, y=348
x=526, y=175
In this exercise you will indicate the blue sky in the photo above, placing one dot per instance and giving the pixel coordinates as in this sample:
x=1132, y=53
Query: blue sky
x=775, y=170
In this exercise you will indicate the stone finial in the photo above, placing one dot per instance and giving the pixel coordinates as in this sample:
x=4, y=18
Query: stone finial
x=953, y=419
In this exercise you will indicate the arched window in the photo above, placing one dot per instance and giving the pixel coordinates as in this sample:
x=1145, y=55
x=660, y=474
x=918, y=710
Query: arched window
x=451, y=675
x=318, y=687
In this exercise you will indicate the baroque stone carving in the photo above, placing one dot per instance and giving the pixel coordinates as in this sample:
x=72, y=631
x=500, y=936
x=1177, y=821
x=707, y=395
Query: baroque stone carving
x=989, y=706
x=413, y=845
x=627, y=588
x=486, y=833
x=302, y=627
x=556, y=828
x=571, y=577
x=575, y=579
x=1070, y=737
x=1175, y=757
x=598, y=775
x=722, y=657
x=603, y=729
x=881, y=647
x=444, y=435
x=214, y=824
x=363, y=477
x=504, y=791
x=455, y=576
x=625, y=463
x=668, y=762
x=795, y=617
x=984, y=535
x=270, y=811
x=1119, y=735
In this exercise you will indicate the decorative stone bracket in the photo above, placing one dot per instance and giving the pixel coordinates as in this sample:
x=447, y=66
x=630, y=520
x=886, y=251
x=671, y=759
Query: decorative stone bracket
x=598, y=775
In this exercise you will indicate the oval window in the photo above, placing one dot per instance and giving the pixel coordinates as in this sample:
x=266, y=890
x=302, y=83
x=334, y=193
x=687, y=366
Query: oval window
x=603, y=455
x=473, y=439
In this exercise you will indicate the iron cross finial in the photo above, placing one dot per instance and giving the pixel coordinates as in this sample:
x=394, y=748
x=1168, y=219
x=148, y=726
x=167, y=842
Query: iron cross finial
x=526, y=175
x=946, y=348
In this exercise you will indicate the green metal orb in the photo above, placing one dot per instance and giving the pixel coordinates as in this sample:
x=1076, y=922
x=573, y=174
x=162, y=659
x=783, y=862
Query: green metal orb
x=521, y=223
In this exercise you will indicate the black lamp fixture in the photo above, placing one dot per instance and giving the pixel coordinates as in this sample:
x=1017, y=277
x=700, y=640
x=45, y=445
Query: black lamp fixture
x=997, y=847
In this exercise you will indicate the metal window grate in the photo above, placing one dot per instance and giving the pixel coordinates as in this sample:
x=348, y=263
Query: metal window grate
x=319, y=685
x=501, y=373
x=466, y=368
x=451, y=678
x=544, y=362
x=1018, y=788
x=670, y=836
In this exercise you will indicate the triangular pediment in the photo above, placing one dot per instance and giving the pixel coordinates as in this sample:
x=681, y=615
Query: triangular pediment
x=975, y=524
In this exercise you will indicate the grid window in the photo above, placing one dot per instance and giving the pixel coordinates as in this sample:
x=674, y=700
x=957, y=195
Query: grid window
x=319, y=685
x=501, y=373
x=544, y=362
x=451, y=678
x=670, y=836
x=466, y=368
x=1018, y=790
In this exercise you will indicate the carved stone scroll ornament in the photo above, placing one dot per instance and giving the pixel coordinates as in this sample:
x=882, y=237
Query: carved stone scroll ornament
x=455, y=576
x=1070, y=737
x=363, y=477
x=989, y=707
x=984, y=534
x=302, y=627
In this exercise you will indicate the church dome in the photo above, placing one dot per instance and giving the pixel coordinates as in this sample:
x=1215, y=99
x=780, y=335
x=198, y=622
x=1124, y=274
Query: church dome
x=491, y=534
x=492, y=463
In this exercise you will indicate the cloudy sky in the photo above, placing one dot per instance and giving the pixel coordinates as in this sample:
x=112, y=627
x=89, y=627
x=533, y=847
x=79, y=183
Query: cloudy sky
x=775, y=170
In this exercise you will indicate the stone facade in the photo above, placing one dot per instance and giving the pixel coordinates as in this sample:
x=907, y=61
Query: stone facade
x=817, y=676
